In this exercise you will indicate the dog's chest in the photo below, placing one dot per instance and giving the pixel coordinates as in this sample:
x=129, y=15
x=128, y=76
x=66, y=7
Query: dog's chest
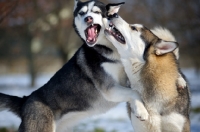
x=116, y=71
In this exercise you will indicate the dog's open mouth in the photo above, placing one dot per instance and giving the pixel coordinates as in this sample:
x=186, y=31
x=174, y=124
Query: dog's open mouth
x=92, y=32
x=112, y=30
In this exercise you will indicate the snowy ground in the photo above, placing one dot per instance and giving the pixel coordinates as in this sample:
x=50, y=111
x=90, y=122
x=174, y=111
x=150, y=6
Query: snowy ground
x=115, y=120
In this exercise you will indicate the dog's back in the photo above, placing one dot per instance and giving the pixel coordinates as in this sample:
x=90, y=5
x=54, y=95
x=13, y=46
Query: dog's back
x=159, y=73
x=159, y=76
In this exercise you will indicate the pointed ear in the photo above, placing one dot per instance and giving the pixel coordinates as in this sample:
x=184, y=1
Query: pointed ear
x=75, y=3
x=113, y=8
x=163, y=47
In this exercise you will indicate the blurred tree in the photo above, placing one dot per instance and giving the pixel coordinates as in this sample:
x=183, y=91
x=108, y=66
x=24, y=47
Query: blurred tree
x=6, y=8
x=39, y=29
x=40, y=24
x=180, y=17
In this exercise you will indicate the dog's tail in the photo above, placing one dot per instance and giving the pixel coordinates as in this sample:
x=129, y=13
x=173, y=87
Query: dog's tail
x=11, y=103
x=166, y=35
x=163, y=33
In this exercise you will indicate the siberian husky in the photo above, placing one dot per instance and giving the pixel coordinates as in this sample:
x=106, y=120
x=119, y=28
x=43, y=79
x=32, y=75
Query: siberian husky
x=91, y=82
x=151, y=66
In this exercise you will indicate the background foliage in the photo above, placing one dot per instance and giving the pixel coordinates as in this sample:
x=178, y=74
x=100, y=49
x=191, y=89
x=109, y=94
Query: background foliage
x=36, y=36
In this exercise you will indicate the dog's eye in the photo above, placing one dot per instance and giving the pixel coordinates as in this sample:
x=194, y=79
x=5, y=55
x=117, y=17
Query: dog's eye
x=81, y=13
x=134, y=28
x=97, y=12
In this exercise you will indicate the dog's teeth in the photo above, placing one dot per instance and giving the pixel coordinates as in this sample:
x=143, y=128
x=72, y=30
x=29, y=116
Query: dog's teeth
x=96, y=31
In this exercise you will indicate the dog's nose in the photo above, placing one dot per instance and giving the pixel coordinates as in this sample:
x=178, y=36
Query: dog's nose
x=88, y=19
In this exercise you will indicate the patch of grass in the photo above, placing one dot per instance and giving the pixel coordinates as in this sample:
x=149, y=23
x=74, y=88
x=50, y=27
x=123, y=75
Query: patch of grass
x=99, y=130
x=3, y=129
x=196, y=110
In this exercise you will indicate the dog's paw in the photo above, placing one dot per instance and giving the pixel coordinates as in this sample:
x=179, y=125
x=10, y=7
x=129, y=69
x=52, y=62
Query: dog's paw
x=141, y=112
x=181, y=83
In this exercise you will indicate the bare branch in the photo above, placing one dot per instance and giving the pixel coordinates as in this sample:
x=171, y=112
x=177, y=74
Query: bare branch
x=6, y=8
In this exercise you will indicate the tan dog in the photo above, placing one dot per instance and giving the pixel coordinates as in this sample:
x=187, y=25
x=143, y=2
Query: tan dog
x=151, y=66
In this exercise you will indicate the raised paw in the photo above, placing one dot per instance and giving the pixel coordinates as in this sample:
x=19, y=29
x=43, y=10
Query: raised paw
x=141, y=112
x=181, y=82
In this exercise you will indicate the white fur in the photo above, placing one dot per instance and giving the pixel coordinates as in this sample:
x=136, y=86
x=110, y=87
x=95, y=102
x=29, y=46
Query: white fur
x=166, y=35
x=173, y=122
x=138, y=126
x=121, y=94
x=115, y=70
x=97, y=19
x=138, y=25
x=132, y=51
x=95, y=8
x=112, y=10
x=84, y=9
x=170, y=123
x=68, y=121
x=163, y=33
x=132, y=59
x=181, y=82
x=54, y=126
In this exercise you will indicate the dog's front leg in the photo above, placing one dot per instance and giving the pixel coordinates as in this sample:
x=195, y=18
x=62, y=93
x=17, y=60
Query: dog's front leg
x=139, y=109
x=119, y=93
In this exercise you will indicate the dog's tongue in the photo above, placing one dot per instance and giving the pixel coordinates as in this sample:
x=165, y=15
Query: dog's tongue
x=91, y=33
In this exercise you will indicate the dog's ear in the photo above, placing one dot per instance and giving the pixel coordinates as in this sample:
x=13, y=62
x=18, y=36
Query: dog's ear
x=113, y=8
x=75, y=3
x=163, y=47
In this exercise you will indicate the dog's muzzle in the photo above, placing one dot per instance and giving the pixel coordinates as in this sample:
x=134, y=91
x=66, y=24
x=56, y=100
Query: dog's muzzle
x=112, y=30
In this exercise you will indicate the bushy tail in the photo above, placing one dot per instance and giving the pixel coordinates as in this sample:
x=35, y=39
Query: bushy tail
x=12, y=103
x=166, y=35
x=163, y=33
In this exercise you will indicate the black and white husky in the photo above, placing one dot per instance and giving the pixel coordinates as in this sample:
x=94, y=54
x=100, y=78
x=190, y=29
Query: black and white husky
x=150, y=61
x=91, y=82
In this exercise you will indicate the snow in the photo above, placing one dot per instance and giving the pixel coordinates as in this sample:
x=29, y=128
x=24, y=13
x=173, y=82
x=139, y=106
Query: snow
x=114, y=120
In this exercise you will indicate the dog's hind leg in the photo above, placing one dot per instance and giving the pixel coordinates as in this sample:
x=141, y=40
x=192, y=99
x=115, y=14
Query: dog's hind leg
x=138, y=125
x=154, y=122
x=173, y=122
x=37, y=117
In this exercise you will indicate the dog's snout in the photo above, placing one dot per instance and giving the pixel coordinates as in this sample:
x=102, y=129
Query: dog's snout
x=88, y=19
